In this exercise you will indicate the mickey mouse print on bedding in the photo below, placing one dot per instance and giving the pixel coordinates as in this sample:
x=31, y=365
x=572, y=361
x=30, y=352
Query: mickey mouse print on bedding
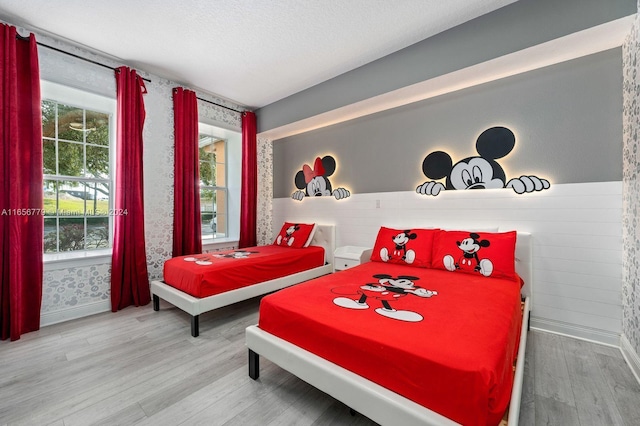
x=385, y=289
x=404, y=246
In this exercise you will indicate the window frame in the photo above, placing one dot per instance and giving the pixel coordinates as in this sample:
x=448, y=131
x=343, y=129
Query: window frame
x=210, y=131
x=85, y=100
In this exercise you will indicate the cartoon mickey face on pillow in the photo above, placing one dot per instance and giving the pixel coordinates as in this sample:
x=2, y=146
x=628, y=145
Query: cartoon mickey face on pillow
x=478, y=172
x=401, y=251
x=470, y=261
x=315, y=181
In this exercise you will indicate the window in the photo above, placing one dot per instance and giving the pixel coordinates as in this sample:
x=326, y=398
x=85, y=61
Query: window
x=78, y=130
x=213, y=182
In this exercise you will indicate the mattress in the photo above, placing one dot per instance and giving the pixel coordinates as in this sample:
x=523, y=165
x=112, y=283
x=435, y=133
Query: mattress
x=447, y=341
x=208, y=274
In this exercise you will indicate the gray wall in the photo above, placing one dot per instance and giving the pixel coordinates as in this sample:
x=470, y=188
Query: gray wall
x=567, y=119
x=519, y=25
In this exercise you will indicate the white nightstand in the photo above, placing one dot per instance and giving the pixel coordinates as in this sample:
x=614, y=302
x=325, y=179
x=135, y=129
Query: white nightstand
x=347, y=256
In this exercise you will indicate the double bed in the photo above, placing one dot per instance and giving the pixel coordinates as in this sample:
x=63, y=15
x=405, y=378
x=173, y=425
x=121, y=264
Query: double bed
x=200, y=283
x=407, y=342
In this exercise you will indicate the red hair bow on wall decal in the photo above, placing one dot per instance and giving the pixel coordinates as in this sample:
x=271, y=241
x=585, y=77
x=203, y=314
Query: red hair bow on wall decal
x=317, y=170
x=315, y=182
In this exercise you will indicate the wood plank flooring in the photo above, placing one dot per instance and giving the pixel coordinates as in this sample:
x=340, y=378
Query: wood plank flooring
x=140, y=367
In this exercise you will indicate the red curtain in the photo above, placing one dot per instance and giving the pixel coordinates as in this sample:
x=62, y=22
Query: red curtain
x=249, y=192
x=21, y=194
x=187, y=238
x=129, y=278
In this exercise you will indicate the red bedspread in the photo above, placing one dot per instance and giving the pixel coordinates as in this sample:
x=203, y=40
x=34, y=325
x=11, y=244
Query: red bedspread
x=452, y=351
x=203, y=275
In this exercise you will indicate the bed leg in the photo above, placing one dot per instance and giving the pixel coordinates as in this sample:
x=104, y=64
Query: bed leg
x=156, y=303
x=254, y=365
x=529, y=321
x=195, y=325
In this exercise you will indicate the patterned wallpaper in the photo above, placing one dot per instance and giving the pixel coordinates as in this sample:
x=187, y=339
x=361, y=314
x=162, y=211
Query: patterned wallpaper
x=265, y=190
x=74, y=287
x=631, y=188
x=88, y=283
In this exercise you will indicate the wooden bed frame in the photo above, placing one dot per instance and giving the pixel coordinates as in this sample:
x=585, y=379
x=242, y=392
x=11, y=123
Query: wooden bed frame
x=372, y=400
x=324, y=236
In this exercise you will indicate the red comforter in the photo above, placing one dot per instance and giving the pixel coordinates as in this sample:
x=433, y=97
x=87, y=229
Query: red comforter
x=203, y=275
x=445, y=340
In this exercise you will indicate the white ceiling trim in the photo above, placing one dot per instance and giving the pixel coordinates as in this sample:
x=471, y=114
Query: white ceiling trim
x=593, y=40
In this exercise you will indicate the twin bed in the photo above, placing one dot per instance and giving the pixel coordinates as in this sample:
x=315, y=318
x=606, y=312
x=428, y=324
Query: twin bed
x=201, y=283
x=431, y=331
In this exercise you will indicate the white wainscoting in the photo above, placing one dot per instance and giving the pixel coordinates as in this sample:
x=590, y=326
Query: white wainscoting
x=577, y=241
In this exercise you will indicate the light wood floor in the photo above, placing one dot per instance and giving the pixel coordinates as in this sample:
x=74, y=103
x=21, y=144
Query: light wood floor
x=143, y=367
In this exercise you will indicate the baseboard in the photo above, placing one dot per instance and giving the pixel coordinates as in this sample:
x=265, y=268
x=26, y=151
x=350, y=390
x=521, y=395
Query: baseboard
x=75, y=312
x=631, y=356
x=579, y=332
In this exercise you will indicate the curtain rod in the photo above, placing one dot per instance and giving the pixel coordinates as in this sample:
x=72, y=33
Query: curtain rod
x=222, y=106
x=111, y=68
x=79, y=57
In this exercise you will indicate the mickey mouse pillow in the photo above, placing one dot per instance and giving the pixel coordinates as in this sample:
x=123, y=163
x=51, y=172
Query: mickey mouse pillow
x=484, y=253
x=296, y=235
x=404, y=246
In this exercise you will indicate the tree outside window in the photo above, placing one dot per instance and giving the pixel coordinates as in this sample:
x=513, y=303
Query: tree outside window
x=77, y=176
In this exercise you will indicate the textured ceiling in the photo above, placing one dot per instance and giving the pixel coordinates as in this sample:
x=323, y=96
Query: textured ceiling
x=248, y=51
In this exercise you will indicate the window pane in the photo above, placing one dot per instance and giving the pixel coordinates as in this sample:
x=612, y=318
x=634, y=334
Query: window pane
x=220, y=175
x=208, y=212
x=220, y=213
x=207, y=176
x=70, y=123
x=98, y=161
x=49, y=156
x=71, y=196
x=208, y=224
x=97, y=198
x=48, y=119
x=70, y=159
x=205, y=149
x=71, y=235
x=98, y=204
x=50, y=235
x=97, y=233
x=97, y=128
x=50, y=198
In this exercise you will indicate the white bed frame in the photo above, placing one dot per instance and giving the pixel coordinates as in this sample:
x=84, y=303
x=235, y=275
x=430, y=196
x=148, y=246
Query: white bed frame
x=372, y=400
x=324, y=236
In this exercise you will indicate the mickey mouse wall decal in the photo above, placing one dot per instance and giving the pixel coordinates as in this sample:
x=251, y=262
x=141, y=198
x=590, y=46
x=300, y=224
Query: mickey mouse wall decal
x=314, y=182
x=478, y=172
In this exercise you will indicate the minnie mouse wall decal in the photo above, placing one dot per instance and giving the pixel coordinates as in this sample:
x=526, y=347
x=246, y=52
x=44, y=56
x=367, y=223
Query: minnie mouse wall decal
x=478, y=172
x=314, y=182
